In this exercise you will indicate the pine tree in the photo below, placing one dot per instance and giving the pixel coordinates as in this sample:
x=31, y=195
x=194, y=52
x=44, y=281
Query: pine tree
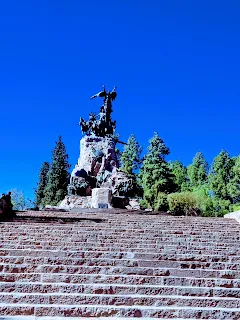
x=131, y=160
x=180, y=175
x=131, y=156
x=43, y=179
x=58, y=178
x=221, y=175
x=198, y=170
x=155, y=174
x=233, y=186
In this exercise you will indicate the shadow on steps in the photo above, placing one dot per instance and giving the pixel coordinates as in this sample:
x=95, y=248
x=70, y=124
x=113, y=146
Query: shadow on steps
x=45, y=219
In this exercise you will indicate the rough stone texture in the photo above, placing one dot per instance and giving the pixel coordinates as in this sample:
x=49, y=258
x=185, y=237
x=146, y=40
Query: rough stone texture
x=97, y=167
x=87, y=146
x=70, y=202
x=133, y=204
x=101, y=196
x=118, y=264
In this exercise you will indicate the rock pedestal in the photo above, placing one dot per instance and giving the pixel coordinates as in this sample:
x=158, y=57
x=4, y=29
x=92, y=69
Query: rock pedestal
x=101, y=197
x=97, y=171
x=97, y=167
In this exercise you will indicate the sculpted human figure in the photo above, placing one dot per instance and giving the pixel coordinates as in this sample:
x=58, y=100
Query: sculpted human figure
x=104, y=125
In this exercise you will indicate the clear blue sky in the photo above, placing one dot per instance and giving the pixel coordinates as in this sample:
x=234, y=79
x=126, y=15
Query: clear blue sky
x=176, y=65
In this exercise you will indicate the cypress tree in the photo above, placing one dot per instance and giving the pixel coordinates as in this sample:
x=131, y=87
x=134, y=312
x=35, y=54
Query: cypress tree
x=41, y=186
x=58, y=178
x=197, y=171
x=155, y=174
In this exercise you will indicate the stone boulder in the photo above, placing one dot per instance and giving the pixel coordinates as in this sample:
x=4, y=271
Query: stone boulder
x=73, y=202
x=133, y=205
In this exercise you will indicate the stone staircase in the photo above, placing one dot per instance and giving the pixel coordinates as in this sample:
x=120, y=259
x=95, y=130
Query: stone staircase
x=119, y=264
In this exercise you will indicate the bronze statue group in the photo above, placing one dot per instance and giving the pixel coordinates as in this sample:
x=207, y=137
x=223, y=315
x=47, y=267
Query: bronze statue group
x=103, y=126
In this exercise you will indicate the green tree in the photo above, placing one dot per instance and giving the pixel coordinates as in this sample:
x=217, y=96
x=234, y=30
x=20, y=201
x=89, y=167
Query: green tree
x=180, y=176
x=181, y=202
x=131, y=160
x=43, y=179
x=131, y=156
x=58, y=178
x=220, y=177
x=233, y=186
x=18, y=199
x=198, y=170
x=155, y=174
x=205, y=201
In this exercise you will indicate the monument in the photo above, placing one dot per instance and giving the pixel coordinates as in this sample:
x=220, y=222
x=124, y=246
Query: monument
x=97, y=176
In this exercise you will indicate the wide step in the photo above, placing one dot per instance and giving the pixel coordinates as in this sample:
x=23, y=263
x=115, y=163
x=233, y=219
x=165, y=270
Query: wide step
x=119, y=265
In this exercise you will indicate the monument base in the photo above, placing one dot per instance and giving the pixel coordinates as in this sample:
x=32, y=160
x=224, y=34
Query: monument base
x=101, y=198
x=73, y=202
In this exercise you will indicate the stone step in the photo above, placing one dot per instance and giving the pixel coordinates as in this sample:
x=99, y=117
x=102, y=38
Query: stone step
x=202, y=249
x=119, y=266
x=118, y=226
x=73, y=318
x=118, y=289
x=119, y=279
x=124, y=221
x=76, y=239
x=119, y=300
x=112, y=252
x=19, y=255
x=112, y=270
x=129, y=248
x=107, y=242
x=123, y=262
x=119, y=311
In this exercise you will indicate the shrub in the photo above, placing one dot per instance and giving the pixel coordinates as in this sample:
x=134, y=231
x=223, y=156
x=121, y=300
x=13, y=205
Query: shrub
x=222, y=207
x=204, y=201
x=235, y=207
x=161, y=203
x=181, y=203
x=144, y=204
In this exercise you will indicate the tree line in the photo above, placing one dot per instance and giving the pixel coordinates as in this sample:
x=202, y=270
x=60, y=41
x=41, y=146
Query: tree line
x=159, y=184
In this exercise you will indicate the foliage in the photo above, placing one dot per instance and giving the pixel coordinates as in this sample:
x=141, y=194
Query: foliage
x=18, y=200
x=155, y=174
x=131, y=156
x=233, y=185
x=221, y=175
x=204, y=200
x=43, y=179
x=221, y=207
x=235, y=207
x=144, y=204
x=197, y=171
x=181, y=202
x=131, y=160
x=180, y=176
x=58, y=178
x=161, y=204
